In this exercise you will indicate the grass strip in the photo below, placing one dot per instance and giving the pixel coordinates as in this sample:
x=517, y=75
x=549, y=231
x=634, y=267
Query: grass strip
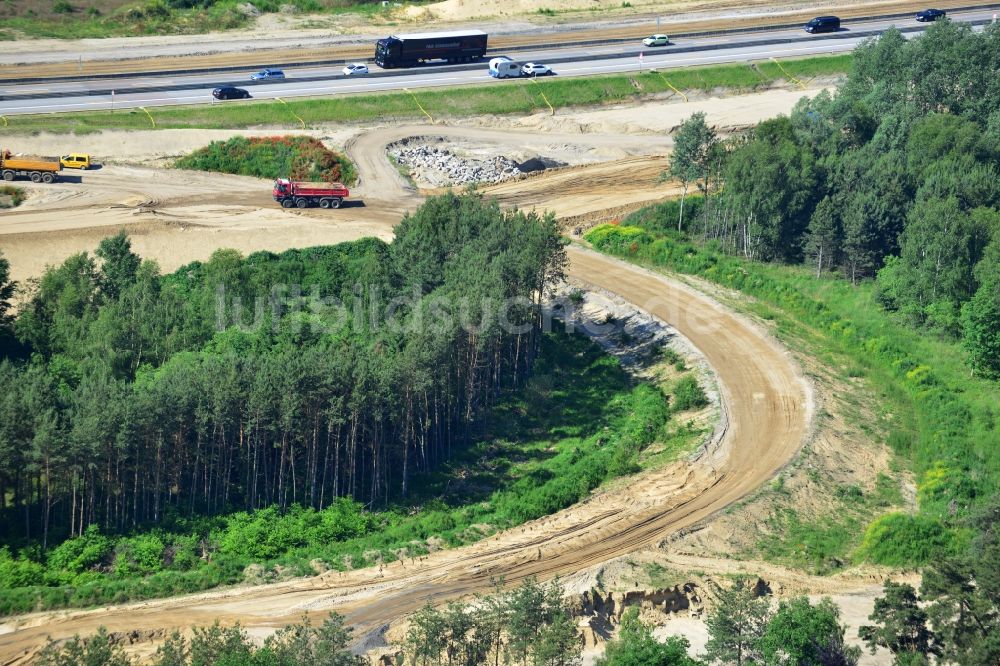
x=439, y=103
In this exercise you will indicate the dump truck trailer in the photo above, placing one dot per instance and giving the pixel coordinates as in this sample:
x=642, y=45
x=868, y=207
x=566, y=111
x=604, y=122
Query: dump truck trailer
x=37, y=169
x=409, y=50
x=291, y=194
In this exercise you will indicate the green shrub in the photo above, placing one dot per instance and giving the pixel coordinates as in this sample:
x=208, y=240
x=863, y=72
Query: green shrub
x=139, y=554
x=20, y=572
x=617, y=239
x=688, y=394
x=904, y=540
x=82, y=553
x=294, y=157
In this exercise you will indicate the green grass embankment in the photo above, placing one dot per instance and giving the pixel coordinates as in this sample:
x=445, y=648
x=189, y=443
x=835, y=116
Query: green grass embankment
x=494, y=98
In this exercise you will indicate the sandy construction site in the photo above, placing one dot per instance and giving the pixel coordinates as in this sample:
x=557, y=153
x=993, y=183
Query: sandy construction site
x=613, y=158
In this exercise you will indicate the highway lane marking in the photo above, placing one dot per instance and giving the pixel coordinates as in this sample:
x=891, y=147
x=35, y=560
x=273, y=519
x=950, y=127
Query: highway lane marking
x=663, y=58
x=720, y=41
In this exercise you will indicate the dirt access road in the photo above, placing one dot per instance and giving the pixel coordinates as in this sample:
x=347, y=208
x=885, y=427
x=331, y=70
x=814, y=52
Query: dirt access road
x=766, y=402
x=768, y=410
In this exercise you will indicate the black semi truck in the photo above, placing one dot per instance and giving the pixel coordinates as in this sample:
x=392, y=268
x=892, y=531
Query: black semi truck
x=409, y=50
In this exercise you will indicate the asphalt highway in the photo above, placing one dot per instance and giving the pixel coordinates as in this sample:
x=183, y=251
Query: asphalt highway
x=195, y=88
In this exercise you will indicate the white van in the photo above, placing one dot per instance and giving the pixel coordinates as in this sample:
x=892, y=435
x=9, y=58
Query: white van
x=504, y=68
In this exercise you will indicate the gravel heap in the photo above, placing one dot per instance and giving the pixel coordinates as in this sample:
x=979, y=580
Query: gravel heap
x=441, y=167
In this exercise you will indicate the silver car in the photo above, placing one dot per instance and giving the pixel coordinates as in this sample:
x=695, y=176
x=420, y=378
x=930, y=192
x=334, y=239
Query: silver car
x=267, y=74
x=355, y=69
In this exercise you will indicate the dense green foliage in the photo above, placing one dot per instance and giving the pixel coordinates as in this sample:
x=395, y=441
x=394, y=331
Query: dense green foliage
x=743, y=629
x=901, y=627
x=893, y=176
x=636, y=646
x=446, y=102
x=801, y=634
x=264, y=431
x=7, y=289
x=156, y=400
x=529, y=624
x=736, y=626
x=299, y=644
x=956, y=617
x=696, y=149
x=963, y=595
x=544, y=449
x=294, y=157
x=688, y=394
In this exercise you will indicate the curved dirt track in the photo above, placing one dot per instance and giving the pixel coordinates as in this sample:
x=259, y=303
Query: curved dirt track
x=768, y=407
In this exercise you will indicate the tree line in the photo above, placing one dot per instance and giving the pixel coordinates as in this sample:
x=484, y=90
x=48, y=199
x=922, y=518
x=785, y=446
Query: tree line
x=239, y=383
x=893, y=177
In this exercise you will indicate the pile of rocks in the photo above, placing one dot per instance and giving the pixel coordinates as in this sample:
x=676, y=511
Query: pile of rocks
x=440, y=167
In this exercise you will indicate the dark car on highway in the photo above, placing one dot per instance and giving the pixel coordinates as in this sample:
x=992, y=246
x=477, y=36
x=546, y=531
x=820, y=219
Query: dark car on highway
x=929, y=15
x=229, y=92
x=823, y=24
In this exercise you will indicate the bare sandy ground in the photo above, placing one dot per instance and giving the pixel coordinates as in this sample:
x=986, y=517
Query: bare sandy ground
x=178, y=216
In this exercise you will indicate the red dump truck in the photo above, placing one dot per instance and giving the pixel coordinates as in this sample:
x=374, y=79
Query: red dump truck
x=39, y=170
x=302, y=195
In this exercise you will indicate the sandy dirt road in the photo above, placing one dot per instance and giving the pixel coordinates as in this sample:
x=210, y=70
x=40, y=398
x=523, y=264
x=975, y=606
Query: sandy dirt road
x=767, y=403
x=768, y=406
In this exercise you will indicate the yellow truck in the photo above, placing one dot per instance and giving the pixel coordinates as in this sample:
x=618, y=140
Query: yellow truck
x=38, y=169
x=75, y=161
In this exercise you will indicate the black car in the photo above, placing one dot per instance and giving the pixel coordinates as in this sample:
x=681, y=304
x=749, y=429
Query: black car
x=823, y=24
x=930, y=15
x=229, y=92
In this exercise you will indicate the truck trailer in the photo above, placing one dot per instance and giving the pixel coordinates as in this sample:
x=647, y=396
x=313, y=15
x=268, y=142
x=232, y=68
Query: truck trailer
x=39, y=170
x=302, y=195
x=409, y=50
